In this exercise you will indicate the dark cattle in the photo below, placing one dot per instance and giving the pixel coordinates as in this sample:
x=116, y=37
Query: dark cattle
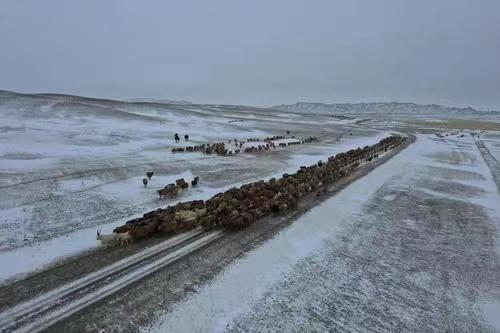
x=186, y=137
x=149, y=174
x=145, y=181
x=176, y=137
x=194, y=182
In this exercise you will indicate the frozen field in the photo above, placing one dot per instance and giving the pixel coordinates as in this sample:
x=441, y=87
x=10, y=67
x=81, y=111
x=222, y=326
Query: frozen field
x=412, y=246
x=70, y=165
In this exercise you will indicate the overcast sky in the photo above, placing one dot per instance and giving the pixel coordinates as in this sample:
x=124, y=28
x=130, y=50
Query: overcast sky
x=258, y=52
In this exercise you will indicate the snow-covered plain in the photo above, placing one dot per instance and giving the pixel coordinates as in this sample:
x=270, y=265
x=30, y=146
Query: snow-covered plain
x=414, y=245
x=69, y=166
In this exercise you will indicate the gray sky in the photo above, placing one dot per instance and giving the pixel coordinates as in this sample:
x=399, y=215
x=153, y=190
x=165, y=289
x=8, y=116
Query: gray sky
x=258, y=52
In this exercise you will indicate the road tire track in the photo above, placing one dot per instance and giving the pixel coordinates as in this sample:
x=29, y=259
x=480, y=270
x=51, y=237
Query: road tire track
x=491, y=161
x=42, y=312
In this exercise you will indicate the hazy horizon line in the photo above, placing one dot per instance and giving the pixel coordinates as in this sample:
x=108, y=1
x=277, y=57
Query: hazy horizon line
x=175, y=99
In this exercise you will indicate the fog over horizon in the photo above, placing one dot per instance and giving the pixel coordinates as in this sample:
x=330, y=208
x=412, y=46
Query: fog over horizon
x=259, y=53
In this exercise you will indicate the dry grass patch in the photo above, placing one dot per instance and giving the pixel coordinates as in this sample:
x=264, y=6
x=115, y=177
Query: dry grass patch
x=460, y=124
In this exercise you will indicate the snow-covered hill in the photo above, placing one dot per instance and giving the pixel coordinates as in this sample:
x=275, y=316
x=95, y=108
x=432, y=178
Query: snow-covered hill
x=158, y=100
x=381, y=108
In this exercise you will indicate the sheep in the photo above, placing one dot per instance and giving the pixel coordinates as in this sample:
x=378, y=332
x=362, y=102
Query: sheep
x=181, y=183
x=151, y=227
x=106, y=239
x=162, y=193
x=137, y=232
x=275, y=208
x=170, y=190
x=123, y=228
x=124, y=238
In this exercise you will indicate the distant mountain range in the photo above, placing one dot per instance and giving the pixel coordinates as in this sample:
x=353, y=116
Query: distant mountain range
x=141, y=107
x=377, y=108
x=158, y=100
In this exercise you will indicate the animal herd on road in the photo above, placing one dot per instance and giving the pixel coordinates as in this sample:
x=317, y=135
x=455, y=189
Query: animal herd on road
x=240, y=207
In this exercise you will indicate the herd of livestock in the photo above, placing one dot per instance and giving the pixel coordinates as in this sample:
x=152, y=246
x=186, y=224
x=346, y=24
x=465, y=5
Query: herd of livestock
x=171, y=190
x=240, y=207
x=235, y=147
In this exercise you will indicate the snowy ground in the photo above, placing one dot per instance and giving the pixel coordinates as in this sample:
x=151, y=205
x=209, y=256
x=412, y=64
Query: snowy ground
x=412, y=246
x=492, y=141
x=69, y=166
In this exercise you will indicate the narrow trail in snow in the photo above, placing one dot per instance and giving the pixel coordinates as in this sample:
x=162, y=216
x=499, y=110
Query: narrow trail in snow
x=491, y=161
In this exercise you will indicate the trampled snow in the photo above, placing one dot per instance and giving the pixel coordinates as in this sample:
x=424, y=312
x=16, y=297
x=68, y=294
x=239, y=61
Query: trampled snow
x=246, y=296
